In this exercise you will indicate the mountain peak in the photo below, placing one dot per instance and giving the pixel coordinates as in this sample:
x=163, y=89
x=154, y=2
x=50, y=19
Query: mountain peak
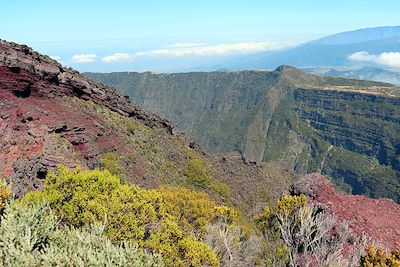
x=283, y=68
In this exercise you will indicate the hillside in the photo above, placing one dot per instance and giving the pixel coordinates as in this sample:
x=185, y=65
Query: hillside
x=52, y=115
x=346, y=129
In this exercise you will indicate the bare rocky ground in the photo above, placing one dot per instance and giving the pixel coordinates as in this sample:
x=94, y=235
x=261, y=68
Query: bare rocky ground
x=377, y=219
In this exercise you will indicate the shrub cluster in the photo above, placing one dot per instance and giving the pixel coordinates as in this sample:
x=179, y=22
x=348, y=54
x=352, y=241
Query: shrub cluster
x=90, y=218
x=169, y=221
x=30, y=235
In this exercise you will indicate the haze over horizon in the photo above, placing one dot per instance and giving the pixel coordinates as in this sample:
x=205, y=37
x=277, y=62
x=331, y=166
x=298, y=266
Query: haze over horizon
x=167, y=36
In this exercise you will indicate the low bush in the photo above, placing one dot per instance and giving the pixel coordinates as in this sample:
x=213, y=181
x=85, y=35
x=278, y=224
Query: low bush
x=30, y=235
x=168, y=221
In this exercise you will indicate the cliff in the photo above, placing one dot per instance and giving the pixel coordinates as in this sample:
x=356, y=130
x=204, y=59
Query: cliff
x=346, y=129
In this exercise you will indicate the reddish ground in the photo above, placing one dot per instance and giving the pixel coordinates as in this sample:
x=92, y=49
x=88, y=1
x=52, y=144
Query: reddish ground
x=378, y=219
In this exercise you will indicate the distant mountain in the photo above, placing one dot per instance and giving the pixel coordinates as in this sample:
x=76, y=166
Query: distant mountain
x=359, y=36
x=328, y=51
x=365, y=73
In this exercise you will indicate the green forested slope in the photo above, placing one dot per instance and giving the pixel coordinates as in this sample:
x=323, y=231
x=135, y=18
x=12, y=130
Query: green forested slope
x=346, y=129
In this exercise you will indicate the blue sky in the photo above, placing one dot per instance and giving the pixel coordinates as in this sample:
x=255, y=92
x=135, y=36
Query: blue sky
x=146, y=35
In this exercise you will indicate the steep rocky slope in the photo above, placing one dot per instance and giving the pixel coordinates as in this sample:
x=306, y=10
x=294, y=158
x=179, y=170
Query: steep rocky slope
x=51, y=115
x=347, y=129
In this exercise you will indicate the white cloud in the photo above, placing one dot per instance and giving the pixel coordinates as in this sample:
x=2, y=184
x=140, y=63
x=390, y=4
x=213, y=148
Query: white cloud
x=117, y=57
x=386, y=59
x=84, y=58
x=389, y=59
x=200, y=50
x=362, y=56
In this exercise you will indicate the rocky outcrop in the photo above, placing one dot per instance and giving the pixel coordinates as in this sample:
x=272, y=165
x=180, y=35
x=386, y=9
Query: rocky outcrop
x=26, y=72
x=377, y=219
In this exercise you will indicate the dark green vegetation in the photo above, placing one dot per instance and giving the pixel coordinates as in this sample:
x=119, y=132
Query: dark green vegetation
x=346, y=129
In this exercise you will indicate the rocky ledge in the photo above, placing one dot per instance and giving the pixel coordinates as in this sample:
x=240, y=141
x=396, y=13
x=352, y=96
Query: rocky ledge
x=26, y=72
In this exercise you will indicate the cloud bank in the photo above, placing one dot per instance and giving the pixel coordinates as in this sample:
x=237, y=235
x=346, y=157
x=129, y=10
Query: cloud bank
x=386, y=59
x=117, y=57
x=84, y=58
x=199, y=50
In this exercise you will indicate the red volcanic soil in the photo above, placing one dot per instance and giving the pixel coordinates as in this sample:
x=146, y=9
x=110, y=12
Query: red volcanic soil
x=43, y=123
x=378, y=219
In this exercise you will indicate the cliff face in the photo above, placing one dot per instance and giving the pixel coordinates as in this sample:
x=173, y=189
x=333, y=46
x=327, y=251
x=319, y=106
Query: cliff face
x=352, y=137
x=366, y=124
x=304, y=122
x=217, y=108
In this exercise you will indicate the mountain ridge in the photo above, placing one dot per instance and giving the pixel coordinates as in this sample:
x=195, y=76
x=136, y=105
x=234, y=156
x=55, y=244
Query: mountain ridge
x=360, y=35
x=285, y=115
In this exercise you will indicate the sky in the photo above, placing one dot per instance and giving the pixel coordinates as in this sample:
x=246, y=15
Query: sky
x=164, y=35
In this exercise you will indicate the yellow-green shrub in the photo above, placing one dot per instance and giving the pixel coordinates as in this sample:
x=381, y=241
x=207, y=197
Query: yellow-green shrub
x=222, y=190
x=267, y=219
x=197, y=253
x=169, y=221
x=76, y=195
x=112, y=162
x=193, y=211
x=197, y=174
x=5, y=194
x=289, y=204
